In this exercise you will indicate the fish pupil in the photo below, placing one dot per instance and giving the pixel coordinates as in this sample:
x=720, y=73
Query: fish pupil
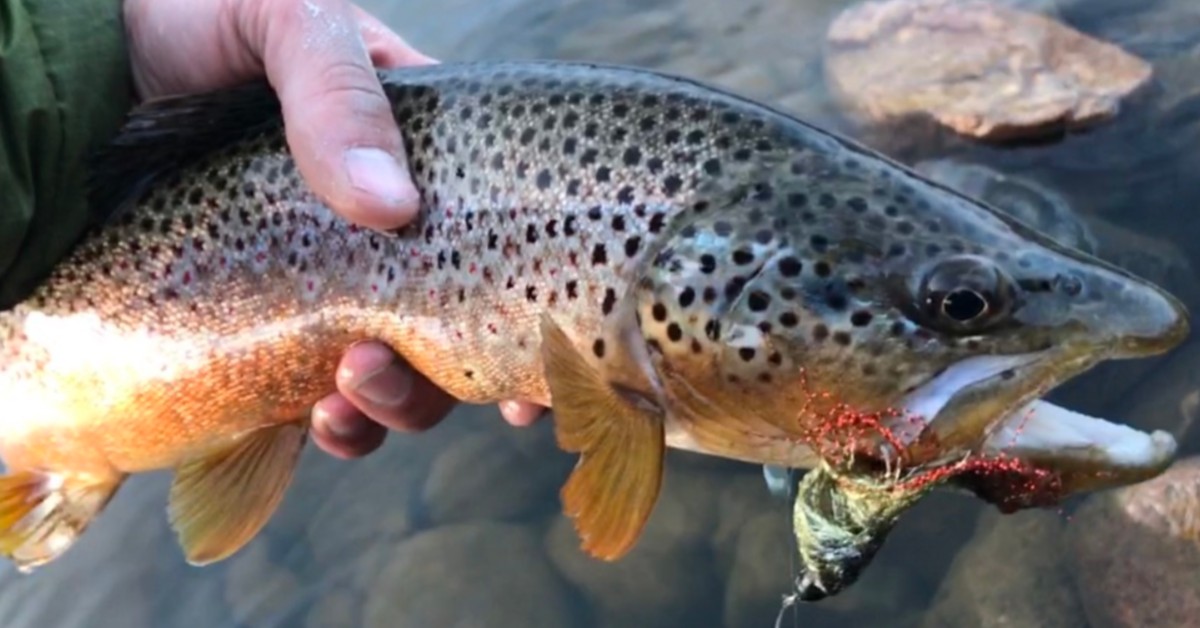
x=964, y=305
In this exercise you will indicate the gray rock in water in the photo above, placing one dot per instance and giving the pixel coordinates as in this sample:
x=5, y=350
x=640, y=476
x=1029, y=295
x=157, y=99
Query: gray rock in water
x=668, y=579
x=369, y=507
x=126, y=571
x=1036, y=205
x=1011, y=575
x=761, y=573
x=468, y=575
x=257, y=589
x=740, y=499
x=490, y=475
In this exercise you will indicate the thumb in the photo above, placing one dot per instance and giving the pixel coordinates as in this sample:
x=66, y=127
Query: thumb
x=340, y=126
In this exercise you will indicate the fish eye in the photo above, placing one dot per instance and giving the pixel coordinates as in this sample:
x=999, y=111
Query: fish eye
x=964, y=294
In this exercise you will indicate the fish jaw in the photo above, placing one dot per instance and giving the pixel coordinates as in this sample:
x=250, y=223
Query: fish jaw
x=1076, y=452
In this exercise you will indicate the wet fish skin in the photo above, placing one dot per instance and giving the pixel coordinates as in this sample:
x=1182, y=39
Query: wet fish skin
x=694, y=264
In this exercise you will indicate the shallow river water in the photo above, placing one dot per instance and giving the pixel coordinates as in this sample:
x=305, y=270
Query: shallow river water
x=460, y=527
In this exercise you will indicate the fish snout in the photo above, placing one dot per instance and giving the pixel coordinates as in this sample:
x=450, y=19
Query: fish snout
x=1133, y=316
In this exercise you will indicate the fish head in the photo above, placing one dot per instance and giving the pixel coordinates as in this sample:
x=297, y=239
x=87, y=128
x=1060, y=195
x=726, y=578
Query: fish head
x=852, y=294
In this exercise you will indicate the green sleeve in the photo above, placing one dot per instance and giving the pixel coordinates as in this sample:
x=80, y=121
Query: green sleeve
x=65, y=85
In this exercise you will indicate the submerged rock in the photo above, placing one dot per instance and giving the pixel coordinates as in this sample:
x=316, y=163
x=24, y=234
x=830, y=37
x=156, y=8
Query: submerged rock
x=979, y=68
x=257, y=589
x=668, y=578
x=1036, y=205
x=1136, y=552
x=761, y=571
x=471, y=574
x=1011, y=575
x=484, y=475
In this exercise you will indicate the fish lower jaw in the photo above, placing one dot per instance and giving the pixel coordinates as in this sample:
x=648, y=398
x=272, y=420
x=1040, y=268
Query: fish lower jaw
x=1058, y=439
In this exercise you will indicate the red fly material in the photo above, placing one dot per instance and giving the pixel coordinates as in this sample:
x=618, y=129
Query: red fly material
x=843, y=434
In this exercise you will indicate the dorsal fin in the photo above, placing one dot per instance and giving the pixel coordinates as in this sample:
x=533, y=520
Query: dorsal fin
x=161, y=136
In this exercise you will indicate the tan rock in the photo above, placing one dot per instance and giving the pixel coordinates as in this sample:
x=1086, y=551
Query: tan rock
x=980, y=68
x=1136, y=552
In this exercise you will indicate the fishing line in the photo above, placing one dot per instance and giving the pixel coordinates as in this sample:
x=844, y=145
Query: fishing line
x=789, y=600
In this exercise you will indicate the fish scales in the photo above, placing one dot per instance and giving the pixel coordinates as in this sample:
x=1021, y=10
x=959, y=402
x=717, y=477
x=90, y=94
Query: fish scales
x=541, y=191
x=661, y=261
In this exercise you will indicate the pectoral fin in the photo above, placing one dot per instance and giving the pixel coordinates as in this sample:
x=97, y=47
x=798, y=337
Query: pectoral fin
x=42, y=514
x=220, y=501
x=621, y=443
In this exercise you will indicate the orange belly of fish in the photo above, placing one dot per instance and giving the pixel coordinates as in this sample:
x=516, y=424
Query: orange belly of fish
x=232, y=388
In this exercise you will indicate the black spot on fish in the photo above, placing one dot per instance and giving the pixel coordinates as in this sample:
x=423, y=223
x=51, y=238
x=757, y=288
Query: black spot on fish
x=686, y=297
x=632, y=245
x=610, y=301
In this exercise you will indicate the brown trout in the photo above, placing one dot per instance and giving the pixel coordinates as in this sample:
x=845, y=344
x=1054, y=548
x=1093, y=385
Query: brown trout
x=662, y=262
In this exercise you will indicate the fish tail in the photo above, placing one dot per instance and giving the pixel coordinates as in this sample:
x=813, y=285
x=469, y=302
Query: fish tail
x=42, y=514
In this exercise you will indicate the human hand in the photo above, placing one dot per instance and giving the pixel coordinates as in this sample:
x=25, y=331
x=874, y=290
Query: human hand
x=318, y=56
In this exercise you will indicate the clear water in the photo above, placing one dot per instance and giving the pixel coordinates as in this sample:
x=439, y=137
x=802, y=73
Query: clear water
x=459, y=526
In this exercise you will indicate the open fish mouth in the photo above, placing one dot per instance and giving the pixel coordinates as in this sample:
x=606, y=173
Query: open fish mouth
x=1038, y=432
x=1047, y=434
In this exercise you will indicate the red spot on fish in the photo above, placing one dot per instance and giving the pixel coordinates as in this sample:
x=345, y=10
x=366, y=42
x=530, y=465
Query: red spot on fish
x=537, y=265
x=414, y=252
x=492, y=329
x=187, y=277
x=573, y=258
x=310, y=285
x=472, y=268
x=374, y=287
x=260, y=257
x=458, y=334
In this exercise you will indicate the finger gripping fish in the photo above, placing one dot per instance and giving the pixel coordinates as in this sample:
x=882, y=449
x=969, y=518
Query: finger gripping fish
x=664, y=263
